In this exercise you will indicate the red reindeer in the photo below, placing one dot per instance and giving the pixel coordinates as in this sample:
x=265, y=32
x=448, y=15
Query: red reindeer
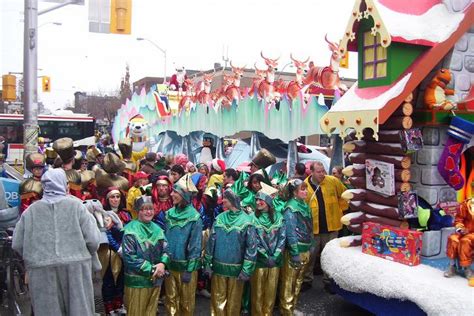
x=260, y=75
x=266, y=90
x=203, y=89
x=231, y=89
x=327, y=77
x=293, y=88
x=188, y=100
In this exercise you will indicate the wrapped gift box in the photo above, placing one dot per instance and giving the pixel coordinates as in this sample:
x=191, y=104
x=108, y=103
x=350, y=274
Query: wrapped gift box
x=392, y=243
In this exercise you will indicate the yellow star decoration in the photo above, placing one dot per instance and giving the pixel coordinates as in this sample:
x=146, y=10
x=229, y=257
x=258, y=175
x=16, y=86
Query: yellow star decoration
x=352, y=36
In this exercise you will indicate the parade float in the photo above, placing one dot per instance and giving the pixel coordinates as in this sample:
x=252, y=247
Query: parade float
x=175, y=118
x=407, y=124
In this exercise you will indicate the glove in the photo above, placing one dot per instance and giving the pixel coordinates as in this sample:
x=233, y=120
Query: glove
x=186, y=277
x=296, y=259
x=243, y=277
x=271, y=263
x=208, y=272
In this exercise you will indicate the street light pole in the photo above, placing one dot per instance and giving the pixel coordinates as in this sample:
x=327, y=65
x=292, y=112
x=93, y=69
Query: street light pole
x=163, y=51
x=30, y=71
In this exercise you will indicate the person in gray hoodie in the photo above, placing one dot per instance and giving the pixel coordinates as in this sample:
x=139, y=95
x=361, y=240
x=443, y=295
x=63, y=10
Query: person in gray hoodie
x=57, y=238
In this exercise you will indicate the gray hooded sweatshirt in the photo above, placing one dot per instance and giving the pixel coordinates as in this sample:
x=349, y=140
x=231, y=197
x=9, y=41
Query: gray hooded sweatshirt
x=57, y=229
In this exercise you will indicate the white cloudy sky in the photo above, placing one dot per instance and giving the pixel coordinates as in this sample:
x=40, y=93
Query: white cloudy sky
x=192, y=31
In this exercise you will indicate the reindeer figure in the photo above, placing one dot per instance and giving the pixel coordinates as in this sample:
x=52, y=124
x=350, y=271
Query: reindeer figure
x=266, y=89
x=203, y=89
x=327, y=77
x=232, y=91
x=260, y=75
x=295, y=86
x=227, y=83
x=188, y=100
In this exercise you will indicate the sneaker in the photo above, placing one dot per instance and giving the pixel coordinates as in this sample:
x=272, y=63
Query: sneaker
x=121, y=311
x=450, y=271
x=204, y=293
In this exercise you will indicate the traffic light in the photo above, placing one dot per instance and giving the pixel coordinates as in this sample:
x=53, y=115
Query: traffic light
x=46, y=84
x=9, y=87
x=121, y=16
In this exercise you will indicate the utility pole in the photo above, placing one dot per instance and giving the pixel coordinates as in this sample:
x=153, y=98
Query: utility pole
x=30, y=71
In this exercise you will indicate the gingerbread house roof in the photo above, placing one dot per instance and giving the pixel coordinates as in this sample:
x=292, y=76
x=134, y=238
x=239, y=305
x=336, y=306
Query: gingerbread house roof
x=423, y=22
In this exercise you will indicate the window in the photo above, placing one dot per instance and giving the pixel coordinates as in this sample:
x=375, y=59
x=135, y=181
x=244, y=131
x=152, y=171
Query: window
x=374, y=57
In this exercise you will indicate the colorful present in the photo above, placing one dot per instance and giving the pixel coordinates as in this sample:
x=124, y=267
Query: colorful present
x=411, y=140
x=392, y=243
x=407, y=204
x=380, y=177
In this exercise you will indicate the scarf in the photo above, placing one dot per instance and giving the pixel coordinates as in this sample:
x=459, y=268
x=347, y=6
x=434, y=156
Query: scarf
x=264, y=222
x=144, y=232
x=233, y=220
x=299, y=206
x=181, y=216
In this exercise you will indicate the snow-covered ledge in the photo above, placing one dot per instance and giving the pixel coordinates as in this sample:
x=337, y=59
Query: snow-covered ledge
x=425, y=286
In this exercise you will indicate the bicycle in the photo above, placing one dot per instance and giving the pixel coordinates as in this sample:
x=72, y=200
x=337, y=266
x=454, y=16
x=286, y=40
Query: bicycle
x=12, y=275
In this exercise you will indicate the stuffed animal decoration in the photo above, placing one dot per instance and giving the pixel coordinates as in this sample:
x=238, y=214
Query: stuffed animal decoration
x=137, y=131
x=436, y=91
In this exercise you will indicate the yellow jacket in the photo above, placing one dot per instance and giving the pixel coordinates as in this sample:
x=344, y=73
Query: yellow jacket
x=133, y=193
x=332, y=189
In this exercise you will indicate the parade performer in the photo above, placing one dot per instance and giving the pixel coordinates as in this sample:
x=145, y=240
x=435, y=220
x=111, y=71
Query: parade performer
x=125, y=147
x=88, y=183
x=230, y=256
x=247, y=192
x=31, y=189
x=94, y=158
x=56, y=238
x=109, y=176
x=109, y=256
x=161, y=197
x=183, y=230
x=41, y=147
x=271, y=238
x=140, y=179
x=261, y=161
x=115, y=201
x=299, y=238
x=461, y=243
x=145, y=258
x=64, y=147
x=176, y=172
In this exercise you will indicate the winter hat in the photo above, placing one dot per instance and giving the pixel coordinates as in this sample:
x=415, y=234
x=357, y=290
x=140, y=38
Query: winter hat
x=189, y=165
x=186, y=188
x=232, y=198
x=54, y=183
x=218, y=165
x=111, y=191
x=266, y=193
x=140, y=175
x=181, y=160
x=142, y=200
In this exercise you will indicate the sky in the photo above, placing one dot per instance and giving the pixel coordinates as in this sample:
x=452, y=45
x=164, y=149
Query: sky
x=193, y=32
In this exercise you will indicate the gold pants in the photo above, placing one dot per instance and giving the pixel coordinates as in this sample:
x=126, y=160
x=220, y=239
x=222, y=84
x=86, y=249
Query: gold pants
x=290, y=283
x=142, y=302
x=226, y=295
x=180, y=297
x=263, y=283
x=461, y=247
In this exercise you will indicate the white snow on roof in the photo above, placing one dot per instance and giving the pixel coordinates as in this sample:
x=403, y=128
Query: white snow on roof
x=350, y=101
x=435, y=25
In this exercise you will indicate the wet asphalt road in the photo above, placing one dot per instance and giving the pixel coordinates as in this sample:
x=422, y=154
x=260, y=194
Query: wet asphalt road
x=315, y=301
